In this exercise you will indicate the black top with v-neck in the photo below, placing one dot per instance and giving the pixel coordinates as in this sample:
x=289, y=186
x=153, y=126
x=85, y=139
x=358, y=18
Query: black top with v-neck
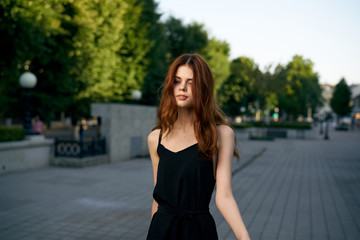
x=183, y=190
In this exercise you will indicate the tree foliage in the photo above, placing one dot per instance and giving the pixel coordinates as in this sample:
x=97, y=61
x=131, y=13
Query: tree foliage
x=81, y=51
x=87, y=51
x=114, y=47
x=34, y=38
x=180, y=38
x=236, y=90
x=340, y=101
x=265, y=91
x=292, y=88
x=217, y=55
x=155, y=72
x=297, y=87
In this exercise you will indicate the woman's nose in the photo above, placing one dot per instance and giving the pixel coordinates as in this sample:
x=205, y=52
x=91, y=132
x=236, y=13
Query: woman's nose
x=183, y=86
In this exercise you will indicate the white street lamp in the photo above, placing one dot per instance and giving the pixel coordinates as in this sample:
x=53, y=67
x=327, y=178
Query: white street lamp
x=136, y=95
x=27, y=81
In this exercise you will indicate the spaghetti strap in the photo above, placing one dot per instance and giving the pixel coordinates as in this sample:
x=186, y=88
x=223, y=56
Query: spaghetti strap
x=160, y=136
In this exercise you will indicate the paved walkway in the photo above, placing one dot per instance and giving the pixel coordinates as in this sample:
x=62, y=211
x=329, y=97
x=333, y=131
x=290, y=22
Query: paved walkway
x=286, y=189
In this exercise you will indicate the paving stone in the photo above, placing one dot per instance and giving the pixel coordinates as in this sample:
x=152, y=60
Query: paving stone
x=285, y=189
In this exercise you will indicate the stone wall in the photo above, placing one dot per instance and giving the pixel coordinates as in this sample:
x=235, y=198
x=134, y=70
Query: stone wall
x=281, y=133
x=125, y=127
x=34, y=152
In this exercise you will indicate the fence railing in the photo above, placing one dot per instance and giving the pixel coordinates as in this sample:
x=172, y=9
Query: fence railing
x=79, y=149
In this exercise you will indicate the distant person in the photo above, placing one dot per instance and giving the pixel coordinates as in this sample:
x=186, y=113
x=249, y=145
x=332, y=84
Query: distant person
x=191, y=150
x=38, y=126
x=82, y=128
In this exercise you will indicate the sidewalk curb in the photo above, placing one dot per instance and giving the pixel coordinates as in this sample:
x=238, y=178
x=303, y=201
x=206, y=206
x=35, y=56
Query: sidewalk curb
x=252, y=159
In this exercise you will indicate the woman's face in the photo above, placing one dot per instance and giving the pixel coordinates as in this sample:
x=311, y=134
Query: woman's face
x=182, y=86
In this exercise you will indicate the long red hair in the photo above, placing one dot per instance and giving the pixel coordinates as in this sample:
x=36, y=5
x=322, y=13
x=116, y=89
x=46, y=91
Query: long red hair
x=206, y=111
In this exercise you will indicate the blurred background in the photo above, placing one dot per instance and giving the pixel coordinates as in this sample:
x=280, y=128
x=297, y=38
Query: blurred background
x=80, y=84
x=275, y=59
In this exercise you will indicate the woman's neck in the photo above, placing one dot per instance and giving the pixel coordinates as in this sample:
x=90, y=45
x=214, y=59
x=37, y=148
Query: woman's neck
x=185, y=120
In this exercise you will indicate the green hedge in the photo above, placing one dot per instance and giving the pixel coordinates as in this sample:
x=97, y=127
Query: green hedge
x=341, y=129
x=11, y=134
x=262, y=138
x=292, y=125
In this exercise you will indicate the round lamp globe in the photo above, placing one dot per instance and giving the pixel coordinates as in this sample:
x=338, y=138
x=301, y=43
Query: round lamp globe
x=136, y=95
x=28, y=80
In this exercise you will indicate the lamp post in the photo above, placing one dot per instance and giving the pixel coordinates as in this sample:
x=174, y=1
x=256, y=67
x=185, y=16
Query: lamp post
x=267, y=118
x=321, y=126
x=326, y=136
x=27, y=81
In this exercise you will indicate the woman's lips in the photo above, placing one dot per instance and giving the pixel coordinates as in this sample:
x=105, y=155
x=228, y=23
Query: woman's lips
x=182, y=97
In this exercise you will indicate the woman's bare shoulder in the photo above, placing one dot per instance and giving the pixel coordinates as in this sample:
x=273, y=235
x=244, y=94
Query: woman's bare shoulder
x=225, y=131
x=153, y=137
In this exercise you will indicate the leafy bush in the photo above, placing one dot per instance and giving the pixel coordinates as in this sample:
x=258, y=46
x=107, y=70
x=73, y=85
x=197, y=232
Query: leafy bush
x=11, y=134
x=250, y=124
x=292, y=125
x=341, y=128
x=262, y=138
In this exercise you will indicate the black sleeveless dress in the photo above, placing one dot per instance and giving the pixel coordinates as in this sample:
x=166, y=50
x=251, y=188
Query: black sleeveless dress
x=183, y=190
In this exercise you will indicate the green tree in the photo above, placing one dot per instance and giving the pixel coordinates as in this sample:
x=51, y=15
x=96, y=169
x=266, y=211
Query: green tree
x=340, y=101
x=298, y=87
x=191, y=38
x=264, y=95
x=237, y=90
x=217, y=55
x=287, y=97
x=34, y=38
x=261, y=89
x=88, y=51
x=114, y=48
x=81, y=51
x=155, y=72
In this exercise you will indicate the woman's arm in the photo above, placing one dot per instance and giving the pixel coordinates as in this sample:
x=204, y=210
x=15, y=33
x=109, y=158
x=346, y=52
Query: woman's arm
x=224, y=196
x=152, y=140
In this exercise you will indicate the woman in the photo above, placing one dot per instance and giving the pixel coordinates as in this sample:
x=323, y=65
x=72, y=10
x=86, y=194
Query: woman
x=191, y=149
x=38, y=126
